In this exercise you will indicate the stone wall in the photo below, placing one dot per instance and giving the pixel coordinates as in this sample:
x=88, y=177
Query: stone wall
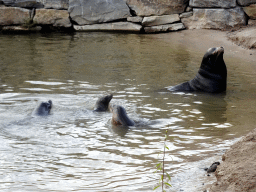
x=149, y=16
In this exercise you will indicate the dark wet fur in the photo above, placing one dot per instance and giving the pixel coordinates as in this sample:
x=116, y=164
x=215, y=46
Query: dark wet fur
x=120, y=117
x=103, y=103
x=44, y=108
x=211, y=77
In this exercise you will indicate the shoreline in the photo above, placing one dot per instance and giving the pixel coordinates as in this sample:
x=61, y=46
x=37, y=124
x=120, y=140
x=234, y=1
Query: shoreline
x=203, y=39
x=236, y=172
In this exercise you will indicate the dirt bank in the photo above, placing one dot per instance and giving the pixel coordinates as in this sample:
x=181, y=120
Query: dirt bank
x=203, y=39
x=237, y=172
x=245, y=37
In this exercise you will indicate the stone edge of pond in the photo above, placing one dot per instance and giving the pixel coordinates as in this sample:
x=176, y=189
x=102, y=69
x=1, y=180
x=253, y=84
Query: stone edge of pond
x=130, y=16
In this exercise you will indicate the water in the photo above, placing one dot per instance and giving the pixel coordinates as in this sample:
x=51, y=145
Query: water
x=75, y=149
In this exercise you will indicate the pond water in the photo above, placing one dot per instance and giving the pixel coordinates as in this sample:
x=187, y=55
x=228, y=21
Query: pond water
x=75, y=149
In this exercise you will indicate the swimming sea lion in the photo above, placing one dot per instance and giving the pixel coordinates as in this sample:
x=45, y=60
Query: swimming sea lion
x=120, y=117
x=103, y=103
x=44, y=108
x=211, y=77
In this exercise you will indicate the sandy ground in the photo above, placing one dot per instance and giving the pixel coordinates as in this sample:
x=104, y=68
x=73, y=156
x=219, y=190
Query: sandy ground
x=203, y=39
x=237, y=171
x=245, y=37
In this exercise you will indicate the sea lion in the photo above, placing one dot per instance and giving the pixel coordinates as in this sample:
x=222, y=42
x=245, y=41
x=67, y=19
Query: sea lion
x=212, y=74
x=44, y=108
x=102, y=103
x=120, y=117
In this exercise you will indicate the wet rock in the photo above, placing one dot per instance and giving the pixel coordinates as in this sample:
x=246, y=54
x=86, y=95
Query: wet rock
x=21, y=29
x=212, y=3
x=115, y=26
x=24, y=3
x=245, y=2
x=164, y=28
x=136, y=19
x=100, y=11
x=57, y=18
x=13, y=15
x=160, y=20
x=215, y=18
x=213, y=167
x=157, y=7
x=250, y=11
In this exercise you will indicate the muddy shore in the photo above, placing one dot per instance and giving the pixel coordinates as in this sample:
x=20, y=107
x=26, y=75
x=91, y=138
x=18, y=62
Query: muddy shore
x=203, y=39
x=236, y=172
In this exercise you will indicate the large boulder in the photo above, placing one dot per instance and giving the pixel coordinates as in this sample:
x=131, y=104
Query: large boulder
x=48, y=4
x=245, y=2
x=212, y=3
x=14, y=15
x=215, y=18
x=55, y=4
x=250, y=11
x=57, y=18
x=24, y=3
x=115, y=26
x=157, y=7
x=97, y=11
x=160, y=20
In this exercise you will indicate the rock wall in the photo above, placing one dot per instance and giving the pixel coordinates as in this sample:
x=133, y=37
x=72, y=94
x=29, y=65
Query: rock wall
x=149, y=16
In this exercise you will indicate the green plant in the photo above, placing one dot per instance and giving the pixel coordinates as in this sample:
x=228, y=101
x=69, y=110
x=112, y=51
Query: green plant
x=164, y=177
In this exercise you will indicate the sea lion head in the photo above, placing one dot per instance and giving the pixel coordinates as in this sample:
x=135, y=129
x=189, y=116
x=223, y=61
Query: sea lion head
x=212, y=75
x=103, y=103
x=213, y=60
x=44, y=108
x=120, y=116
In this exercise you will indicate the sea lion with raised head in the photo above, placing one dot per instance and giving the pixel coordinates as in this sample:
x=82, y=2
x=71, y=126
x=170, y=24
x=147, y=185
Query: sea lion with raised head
x=44, y=108
x=211, y=77
x=102, y=103
x=120, y=117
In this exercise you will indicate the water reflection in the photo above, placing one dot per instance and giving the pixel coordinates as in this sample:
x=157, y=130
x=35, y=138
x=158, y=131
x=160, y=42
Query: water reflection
x=212, y=106
x=76, y=149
